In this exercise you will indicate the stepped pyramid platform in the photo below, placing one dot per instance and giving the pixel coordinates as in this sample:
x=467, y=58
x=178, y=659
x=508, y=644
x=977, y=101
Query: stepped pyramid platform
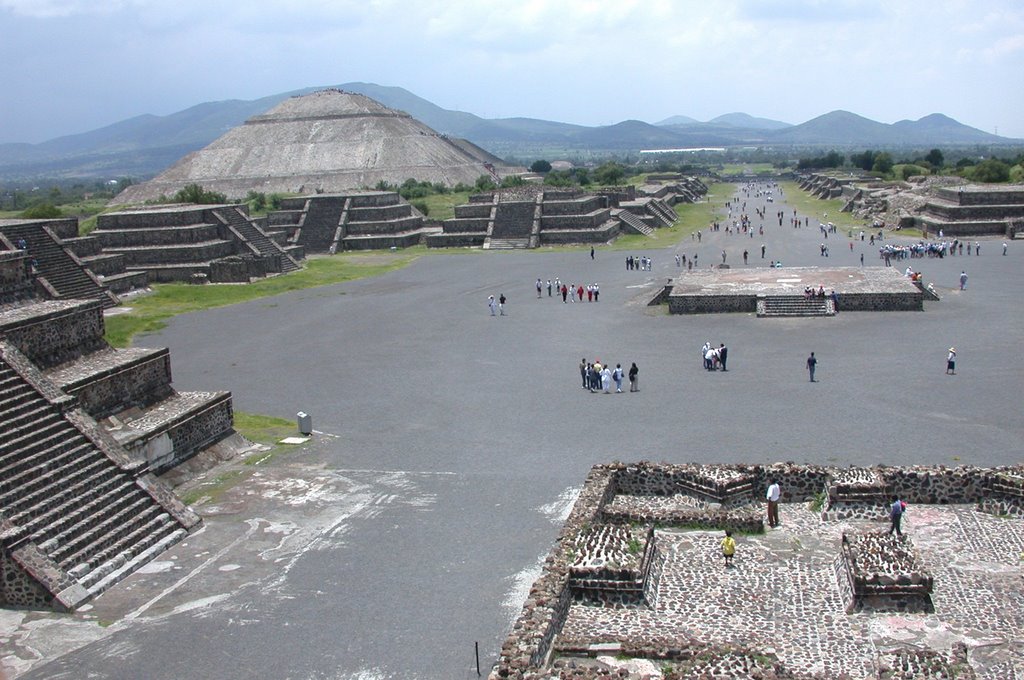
x=533, y=216
x=972, y=210
x=59, y=271
x=763, y=289
x=325, y=142
x=673, y=188
x=362, y=220
x=80, y=507
x=79, y=512
x=193, y=243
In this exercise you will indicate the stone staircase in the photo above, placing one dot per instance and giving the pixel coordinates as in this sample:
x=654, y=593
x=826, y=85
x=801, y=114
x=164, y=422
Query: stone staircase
x=507, y=243
x=633, y=222
x=257, y=238
x=78, y=514
x=794, y=305
x=667, y=214
x=61, y=273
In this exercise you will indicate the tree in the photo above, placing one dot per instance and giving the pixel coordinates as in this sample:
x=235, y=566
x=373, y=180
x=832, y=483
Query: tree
x=936, y=158
x=194, y=193
x=42, y=211
x=609, y=173
x=512, y=181
x=883, y=163
x=991, y=170
x=864, y=161
x=540, y=167
x=484, y=183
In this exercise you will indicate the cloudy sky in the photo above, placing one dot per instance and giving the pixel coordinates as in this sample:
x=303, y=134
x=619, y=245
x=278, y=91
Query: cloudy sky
x=70, y=66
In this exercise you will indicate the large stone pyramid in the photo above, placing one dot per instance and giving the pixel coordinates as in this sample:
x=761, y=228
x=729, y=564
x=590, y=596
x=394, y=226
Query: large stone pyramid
x=325, y=142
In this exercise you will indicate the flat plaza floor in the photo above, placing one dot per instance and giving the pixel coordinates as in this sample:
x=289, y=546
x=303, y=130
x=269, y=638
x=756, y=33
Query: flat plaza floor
x=452, y=443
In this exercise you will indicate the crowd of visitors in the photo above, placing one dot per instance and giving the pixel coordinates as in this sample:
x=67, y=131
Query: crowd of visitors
x=598, y=377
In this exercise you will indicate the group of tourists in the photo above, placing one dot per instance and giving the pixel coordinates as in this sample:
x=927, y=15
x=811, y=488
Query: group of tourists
x=938, y=249
x=598, y=377
x=642, y=263
x=714, y=358
x=572, y=292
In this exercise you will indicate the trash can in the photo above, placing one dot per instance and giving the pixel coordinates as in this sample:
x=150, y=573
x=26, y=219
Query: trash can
x=305, y=423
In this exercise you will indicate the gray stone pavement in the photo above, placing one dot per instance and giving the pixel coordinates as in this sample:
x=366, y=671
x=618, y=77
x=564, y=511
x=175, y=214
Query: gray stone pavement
x=452, y=444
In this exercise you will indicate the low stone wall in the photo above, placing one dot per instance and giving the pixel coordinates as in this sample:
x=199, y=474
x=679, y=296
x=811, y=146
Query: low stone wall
x=463, y=225
x=380, y=213
x=240, y=269
x=712, y=304
x=162, y=236
x=585, y=221
x=124, y=387
x=575, y=206
x=382, y=241
x=178, y=254
x=177, y=216
x=480, y=210
x=394, y=226
x=1007, y=196
x=456, y=240
x=609, y=231
x=881, y=302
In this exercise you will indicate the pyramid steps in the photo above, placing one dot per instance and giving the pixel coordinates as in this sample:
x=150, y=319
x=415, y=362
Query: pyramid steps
x=57, y=265
x=74, y=518
x=258, y=239
x=633, y=222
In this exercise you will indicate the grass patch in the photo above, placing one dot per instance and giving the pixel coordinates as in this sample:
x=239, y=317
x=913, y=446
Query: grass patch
x=266, y=430
x=442, y=206
x=809, y=205
x=692, y=216
x=150, y=313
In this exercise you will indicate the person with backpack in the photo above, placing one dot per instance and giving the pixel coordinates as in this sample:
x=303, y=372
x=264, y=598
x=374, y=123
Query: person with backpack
x=634, y=385
x=896, y=511
x=617, y=377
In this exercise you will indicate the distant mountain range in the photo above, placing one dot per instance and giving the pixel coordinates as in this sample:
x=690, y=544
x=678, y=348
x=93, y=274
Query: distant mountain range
x=144, y=145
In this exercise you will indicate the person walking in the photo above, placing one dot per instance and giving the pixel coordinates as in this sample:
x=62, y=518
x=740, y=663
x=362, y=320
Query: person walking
x=606, y=379
x=951, y=361
x=549, y=287
x=812, y=363
x=565, y=293
x=963, y=280
x=583, y=372
x=896, y=511
x=634, y=373
x=728, y=548
x=539, y=287
x=591, y=252
x=492, y=304
x=745, y=256
x=723, y=354
x=501, y=304
x=617, y=377
x=772, y=496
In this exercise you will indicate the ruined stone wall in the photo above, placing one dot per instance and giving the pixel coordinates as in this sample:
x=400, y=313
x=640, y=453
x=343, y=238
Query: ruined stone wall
x=573, y=207
x=526, y=648
x=583, y=221
x=972, y=197
x=448, y=240
x=380, y=213
x=16, y=281
x=480, y=210
x=555, y=236
x=239, y=269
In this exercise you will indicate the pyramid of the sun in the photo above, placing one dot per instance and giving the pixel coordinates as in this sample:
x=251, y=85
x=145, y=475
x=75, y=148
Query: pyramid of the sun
x=325, y=142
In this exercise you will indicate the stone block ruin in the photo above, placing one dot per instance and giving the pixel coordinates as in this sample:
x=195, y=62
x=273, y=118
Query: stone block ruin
x=634, y=583
x=84, y=429
x=931, y=204
x=194, y=244
x=534, y=216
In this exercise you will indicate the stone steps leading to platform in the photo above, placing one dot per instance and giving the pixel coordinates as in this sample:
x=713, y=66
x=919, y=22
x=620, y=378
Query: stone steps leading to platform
x=506, y=243
x=794, y=305
x=257, y=238
x=634, y=222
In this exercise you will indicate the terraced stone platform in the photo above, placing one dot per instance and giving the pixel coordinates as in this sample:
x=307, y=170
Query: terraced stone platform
x=859, y=289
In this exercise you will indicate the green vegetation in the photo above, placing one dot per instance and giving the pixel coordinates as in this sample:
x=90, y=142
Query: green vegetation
x=42, y=211
x=540, y=166
x=212, y=488
x=195, y=193
x=807, y=205
x=442, y=206
x=635, y=546
x=818, y=501
x=149, y=314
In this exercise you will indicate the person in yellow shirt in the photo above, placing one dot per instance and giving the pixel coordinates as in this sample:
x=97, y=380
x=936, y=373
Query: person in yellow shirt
x=728, y=548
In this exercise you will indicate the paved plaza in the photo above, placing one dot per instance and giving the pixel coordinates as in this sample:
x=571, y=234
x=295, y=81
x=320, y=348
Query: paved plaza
x=782, y=595
x=450, y=445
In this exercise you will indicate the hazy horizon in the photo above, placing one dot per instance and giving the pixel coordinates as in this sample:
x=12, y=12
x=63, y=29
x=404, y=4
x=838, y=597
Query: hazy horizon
x=75, y=66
